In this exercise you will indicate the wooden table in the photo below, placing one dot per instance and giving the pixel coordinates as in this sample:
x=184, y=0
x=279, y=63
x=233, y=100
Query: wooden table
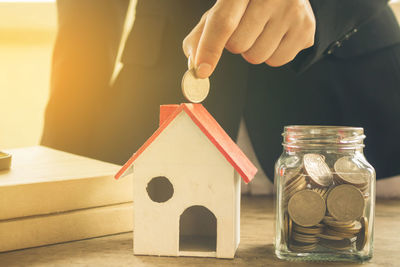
x=255, y=249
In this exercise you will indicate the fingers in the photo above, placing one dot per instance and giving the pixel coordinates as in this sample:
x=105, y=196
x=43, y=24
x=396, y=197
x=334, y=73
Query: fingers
x=293, y=42
x=288, y=31
x=299, y=36
x=266, y=43
x=250, y=27
x=267, y=31
x=221, y=22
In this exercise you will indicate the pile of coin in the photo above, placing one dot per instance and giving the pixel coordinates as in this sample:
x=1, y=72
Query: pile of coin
x=194, y=89
x=341, y=235
x=323, y=206
x=305, y=238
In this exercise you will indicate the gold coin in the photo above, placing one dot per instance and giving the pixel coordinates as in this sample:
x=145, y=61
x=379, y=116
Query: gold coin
x=319, y=172
x=293, y=188
x=345, y=203
x=292, y=191
x=318, y=190
x=332, y=232
x=329, y=237
x=296, y=183
x=299, y=179
x=336, y=180
x=321, y=191
x=349, y=172
x=343, y=244
x=362, y=236
x=286, y=227
x=354, y=229
x=307, y=230
x=303, y=238
x=194, y=89
x=325, y=194
x=330, y=221
x=291, y=174
x=306, y=208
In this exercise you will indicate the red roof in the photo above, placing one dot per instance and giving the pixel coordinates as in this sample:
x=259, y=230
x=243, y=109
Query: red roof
x=210, y=127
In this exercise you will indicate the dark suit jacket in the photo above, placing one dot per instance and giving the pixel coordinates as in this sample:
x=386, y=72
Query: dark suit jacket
x=323, y=85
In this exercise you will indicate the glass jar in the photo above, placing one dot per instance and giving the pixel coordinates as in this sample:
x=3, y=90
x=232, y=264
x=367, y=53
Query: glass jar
x=325, y=195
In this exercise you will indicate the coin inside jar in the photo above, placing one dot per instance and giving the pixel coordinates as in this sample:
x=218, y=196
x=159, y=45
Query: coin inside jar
x=297, y=185
x=332, y=232
x=329, y=237
x=345, y=203
x=307, y=230
x=352, y=229
x=362, y=236
x=330, y=221
x=349, y=172
x=304, y=238
x=291, y=174
x=194, y=89
x=286, y=227
x=318, y=171
x=343, y=244
x=306, y=208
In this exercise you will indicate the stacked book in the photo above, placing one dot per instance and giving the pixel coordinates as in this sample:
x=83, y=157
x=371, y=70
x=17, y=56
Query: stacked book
x=49, y=196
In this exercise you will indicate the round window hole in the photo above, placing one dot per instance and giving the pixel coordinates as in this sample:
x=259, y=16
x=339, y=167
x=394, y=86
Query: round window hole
x=160, y=189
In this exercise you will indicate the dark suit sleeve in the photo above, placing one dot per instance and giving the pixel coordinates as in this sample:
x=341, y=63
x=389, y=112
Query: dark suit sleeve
x=336, y=20
x=84, y=55
x=87, y=43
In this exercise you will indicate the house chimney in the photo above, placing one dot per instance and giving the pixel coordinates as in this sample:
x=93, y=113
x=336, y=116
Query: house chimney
x=166, y=111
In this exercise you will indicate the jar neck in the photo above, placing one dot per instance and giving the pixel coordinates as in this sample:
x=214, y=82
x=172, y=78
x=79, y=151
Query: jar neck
x=305, y=137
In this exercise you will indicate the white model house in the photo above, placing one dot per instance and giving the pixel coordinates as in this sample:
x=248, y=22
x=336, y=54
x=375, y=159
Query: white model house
x=186, y=186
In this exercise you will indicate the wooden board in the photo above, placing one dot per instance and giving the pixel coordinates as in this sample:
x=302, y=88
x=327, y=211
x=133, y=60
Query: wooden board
x=256, y=248
x=67, y=226
x=44, y=181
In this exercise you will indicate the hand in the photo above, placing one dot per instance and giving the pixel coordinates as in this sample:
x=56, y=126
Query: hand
x=270, y=31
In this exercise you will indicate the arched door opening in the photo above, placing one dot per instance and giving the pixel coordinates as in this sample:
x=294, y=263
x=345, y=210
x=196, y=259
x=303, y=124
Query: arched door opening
x=197, y=230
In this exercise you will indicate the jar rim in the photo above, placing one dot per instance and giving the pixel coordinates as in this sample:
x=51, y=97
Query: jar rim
x=314, y=136
x=325, y=127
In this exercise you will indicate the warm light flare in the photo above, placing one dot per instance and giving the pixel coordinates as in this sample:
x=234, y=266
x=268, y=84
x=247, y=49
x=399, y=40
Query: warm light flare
x=27, y=1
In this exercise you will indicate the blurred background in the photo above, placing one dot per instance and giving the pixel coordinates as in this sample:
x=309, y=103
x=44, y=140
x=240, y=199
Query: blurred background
x=27, y=33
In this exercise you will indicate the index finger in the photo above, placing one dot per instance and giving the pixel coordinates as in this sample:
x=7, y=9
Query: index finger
x=221, y=22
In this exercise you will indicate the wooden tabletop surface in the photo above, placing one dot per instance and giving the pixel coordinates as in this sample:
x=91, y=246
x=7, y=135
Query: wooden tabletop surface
x=256, y=248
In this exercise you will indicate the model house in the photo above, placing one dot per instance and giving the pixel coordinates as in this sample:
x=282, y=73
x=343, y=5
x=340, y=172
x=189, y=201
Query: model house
x=186, y=186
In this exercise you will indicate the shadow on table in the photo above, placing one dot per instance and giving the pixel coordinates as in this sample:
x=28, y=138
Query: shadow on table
x=264, y=255
x=117, y=251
